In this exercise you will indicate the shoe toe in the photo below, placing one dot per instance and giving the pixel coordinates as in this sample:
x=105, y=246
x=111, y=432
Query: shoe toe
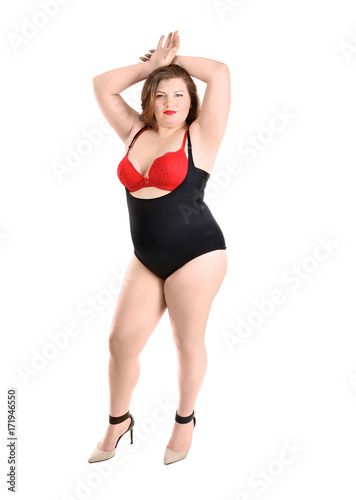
x=171, y=456
x=99, y=455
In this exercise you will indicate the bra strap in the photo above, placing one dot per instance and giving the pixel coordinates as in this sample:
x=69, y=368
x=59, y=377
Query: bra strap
x=143, y=128
x=184, y=139
x=189, y=143
x=135, y=137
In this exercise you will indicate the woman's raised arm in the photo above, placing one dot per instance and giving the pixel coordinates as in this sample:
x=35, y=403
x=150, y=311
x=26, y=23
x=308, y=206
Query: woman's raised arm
x=107, y=87
x=214, y=114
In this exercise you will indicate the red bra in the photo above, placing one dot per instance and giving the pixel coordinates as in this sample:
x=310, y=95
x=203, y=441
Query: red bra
x=166, y=172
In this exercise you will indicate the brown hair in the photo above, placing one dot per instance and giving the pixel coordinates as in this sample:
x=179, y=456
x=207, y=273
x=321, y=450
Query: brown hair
x=149, y=88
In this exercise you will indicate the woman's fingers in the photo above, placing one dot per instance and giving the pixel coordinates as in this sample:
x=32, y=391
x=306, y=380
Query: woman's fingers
x=164, y=53
x=176, y=42
x=147, y=56
x=159, y=46
x=168, y=41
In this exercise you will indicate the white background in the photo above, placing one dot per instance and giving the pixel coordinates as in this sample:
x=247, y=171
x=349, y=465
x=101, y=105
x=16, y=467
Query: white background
x=293, y=377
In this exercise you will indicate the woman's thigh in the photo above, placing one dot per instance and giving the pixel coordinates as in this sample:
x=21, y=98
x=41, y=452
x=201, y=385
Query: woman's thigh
x=189, y=293
x=139, y=307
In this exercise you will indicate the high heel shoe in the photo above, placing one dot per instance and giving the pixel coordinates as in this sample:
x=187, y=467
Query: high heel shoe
x=100, y=455
x=171, y=456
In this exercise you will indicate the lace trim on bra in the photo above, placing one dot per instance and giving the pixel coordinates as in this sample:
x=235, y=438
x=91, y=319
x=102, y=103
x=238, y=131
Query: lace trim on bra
x=165, y=177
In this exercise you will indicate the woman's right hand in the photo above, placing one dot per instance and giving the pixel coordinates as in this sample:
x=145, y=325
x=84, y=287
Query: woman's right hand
x=163, y=56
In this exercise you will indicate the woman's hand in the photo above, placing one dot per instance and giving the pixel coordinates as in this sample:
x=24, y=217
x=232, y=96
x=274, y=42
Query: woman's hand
x=163, y=56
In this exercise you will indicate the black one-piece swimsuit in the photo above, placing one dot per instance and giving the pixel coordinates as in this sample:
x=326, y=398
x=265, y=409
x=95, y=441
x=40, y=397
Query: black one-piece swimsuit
x=170, y=230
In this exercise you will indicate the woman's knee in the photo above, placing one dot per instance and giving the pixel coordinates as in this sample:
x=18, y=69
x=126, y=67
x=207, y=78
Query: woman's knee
x=189, y=344
x=120, y=339
x=128, y=340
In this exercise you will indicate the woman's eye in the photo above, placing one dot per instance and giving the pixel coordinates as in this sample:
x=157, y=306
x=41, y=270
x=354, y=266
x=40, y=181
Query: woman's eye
x=161, y=95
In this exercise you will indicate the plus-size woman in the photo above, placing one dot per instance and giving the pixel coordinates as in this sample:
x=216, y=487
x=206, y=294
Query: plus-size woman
x=179, y=259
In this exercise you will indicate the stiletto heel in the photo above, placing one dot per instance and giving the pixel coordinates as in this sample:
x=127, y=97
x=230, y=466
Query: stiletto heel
x=100, y=455
x=171, y=456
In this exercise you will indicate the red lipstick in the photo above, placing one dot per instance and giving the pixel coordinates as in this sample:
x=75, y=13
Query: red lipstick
x=170, y=112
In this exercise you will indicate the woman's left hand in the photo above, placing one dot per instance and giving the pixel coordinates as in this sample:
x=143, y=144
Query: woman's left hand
x=172, y=42
x=147, y=56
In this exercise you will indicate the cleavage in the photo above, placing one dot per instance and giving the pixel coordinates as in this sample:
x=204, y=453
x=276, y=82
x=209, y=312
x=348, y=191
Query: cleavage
x=156, y=158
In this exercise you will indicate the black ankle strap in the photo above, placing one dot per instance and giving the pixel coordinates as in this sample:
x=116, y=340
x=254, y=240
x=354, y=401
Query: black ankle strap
x=184, y=420
x=118, y=420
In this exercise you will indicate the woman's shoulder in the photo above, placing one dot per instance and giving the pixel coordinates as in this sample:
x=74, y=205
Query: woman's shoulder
x=136, y=128
x=204, y=152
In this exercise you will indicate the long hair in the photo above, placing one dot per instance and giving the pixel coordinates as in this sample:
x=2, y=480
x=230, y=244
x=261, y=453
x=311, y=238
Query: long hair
x=149, y=88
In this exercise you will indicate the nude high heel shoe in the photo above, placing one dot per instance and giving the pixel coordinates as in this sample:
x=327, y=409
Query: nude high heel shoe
x=171, y=456
x=100, y=455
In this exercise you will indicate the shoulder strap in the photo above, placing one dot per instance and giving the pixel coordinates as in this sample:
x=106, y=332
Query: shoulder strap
x=135, y=137
x=189, y=143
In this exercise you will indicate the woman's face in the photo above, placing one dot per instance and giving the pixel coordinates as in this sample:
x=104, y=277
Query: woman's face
x=171, y=95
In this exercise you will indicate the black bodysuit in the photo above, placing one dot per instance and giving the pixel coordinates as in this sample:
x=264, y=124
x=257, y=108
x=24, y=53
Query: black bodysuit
x=170, y=230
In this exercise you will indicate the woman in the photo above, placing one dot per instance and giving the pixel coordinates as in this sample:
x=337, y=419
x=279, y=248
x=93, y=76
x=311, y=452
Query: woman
x=179, y=259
